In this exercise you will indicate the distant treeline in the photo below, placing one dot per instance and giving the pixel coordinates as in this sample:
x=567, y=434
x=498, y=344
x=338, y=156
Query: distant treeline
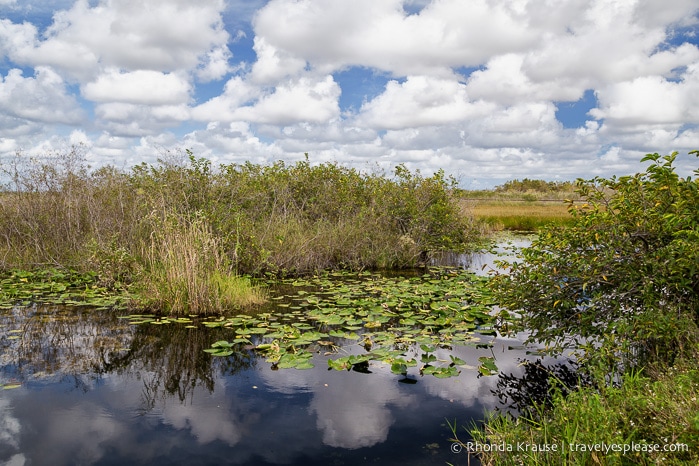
x=539, y=186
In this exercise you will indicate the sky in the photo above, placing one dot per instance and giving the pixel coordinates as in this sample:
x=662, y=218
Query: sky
x=486, y=90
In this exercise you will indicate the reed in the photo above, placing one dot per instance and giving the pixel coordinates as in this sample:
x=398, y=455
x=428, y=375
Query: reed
x=519, y=216
x=188, y=273
x=183, y=231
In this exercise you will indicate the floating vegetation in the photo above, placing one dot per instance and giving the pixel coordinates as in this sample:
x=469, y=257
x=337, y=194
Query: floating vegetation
x=398, y=321
x=53, y=286
x=353, y=319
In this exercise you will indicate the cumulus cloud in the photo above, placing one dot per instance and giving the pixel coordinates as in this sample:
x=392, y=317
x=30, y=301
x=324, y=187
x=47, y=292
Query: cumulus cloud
x=42, y=98
x=451, y=82
x=445, y=34
x=422, y=101
x=124, y=119
x=162, y=35
x=651, y=100
x=215, y=65
x=17, y=40
x=306, y=98
x=138, y=87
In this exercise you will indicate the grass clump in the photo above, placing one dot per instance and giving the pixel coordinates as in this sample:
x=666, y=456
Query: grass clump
x=655, y=418
x=188, y=273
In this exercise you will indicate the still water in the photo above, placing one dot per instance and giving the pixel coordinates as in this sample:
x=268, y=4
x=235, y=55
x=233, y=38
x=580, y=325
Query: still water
x=84, y=387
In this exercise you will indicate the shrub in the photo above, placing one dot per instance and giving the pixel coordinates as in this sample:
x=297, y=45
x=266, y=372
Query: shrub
x=621, y=283
x=246, y=218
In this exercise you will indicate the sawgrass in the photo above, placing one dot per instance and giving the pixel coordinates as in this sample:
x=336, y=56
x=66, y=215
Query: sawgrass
x=519, y=215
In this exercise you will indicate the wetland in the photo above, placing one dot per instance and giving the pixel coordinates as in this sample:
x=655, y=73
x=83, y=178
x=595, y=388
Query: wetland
x=317, y=314
x=340, y=368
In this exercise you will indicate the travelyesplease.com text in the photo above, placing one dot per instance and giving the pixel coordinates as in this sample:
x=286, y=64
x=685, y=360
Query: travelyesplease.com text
x=624, y=448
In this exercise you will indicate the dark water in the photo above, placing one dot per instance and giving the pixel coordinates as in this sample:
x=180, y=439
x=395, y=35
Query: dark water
x=84, y=387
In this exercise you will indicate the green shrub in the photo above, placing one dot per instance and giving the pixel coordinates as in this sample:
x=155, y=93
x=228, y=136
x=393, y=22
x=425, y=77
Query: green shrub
x=263, y=219
x=623, y=279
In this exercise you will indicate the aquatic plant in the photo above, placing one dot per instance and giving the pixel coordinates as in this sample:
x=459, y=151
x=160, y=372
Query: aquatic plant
x=54, y=286
x=399, y=321
x=188, y=273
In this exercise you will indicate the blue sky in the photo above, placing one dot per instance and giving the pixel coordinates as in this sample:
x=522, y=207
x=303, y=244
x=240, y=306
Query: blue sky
x=488, y=90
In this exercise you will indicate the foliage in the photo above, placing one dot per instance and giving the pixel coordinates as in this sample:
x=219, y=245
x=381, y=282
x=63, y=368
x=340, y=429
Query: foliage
x=402, y=322
x=261, y=220
x=275, y=218
x=528, y=185
x=621, y=283
x=53, y=206
x=641, y=411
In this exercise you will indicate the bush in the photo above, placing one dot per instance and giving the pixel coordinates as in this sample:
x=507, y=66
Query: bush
x=274, y=219
x=622, y=283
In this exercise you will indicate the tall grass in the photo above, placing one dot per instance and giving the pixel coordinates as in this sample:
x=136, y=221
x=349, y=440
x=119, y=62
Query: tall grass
x=188, y=273
x=519, y=216
x=183, y=229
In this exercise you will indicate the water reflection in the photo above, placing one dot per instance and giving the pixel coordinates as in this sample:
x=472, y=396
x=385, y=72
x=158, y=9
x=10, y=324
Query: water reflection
x=483, y=262
x=95, y=390
x=537, y=385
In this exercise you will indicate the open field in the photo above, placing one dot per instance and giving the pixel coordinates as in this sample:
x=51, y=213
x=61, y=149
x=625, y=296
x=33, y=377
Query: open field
x=518, y=215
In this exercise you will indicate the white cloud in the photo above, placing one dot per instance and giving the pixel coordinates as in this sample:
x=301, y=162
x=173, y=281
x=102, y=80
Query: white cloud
x=604, y=44
x=42, y=98
x=651, y=100
x=274, y=64
x=472, y=83
x=17, y=40
x=505, y=82
x=237, y=92
x=421, y=101
x=231, y=143
x=130, y=120
x=334, y=34
x=161, y=35
x=216, y=65
x=653, y=13
x=307, y=98
x=138, y=87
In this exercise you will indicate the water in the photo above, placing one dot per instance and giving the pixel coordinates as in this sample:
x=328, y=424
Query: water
x=84, y=387
x=483, y=262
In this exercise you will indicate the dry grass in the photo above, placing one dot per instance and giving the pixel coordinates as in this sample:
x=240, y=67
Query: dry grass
x=522, y=215
x=188, y=273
